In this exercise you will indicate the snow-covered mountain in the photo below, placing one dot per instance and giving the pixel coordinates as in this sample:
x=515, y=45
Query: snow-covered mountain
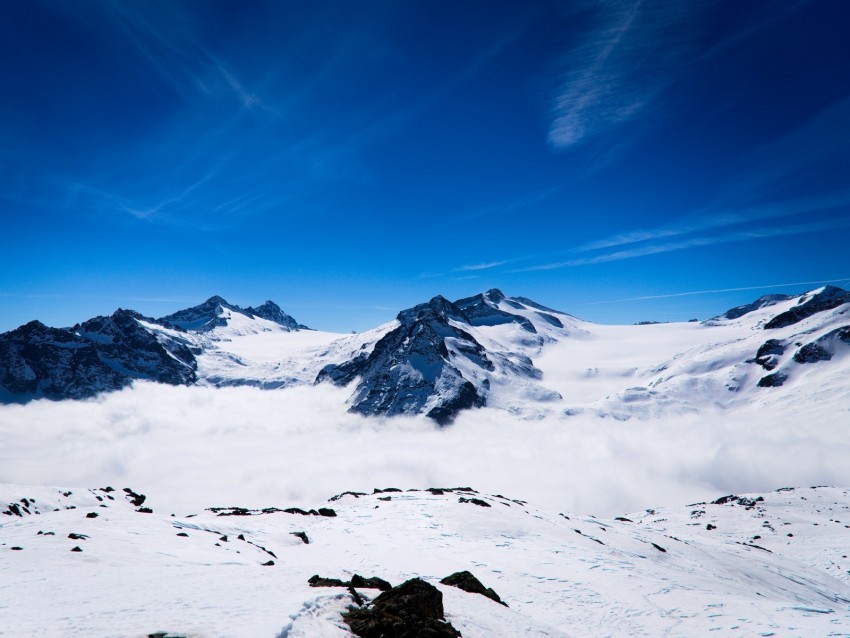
x=441, y=357
x=108, y=562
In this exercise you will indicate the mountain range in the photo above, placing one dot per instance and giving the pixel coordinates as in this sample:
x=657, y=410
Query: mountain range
x=442, y=357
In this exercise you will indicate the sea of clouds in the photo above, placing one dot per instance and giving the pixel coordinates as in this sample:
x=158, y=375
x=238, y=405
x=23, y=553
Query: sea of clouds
x=190, y=448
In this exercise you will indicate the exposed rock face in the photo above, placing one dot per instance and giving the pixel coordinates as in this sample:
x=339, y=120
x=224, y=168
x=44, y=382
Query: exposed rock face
x=482, y=310
x=467, y=582
x=812, y=353
x=769, y=347
x=414, y=609
x=773, y=380
x=271, y=311
x=210, y=315
x=768, y=354
x=761, y=302
x=827, y=298
x=412, y=368
x=200, y=318
x=104, y=353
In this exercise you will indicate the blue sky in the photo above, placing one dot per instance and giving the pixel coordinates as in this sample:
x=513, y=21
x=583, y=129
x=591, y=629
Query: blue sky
x=351, y=159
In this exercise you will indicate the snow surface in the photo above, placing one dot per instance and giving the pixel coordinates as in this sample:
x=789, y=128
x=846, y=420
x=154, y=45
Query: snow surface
x=580, y=418
x=746, y=567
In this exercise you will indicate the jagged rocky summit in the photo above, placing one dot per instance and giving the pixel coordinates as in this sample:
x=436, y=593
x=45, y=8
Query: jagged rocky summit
x=109, y=353
x=442, y=357
x=432, y=364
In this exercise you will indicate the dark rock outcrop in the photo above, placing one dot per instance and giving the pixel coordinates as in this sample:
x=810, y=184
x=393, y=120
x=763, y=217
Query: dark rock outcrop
x=414, y=609
x=101, y=354
x=828, y=298
x=410, y=370
x=761, y=302
x=773, y=380
x=272, y=312
x=210, y=314
x=467, y=582
x=812, y=353
x=357, y=581
x=483, y=310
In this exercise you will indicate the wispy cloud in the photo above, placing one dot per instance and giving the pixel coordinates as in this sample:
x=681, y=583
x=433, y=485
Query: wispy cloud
x=694, y=242
x=625, y=60
x=484, y=266
x=707, y=222
x=167, y=39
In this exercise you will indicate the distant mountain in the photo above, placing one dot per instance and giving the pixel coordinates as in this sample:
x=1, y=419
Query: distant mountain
x=101, y=354
x=109, y=353
x=440, y=358
x=216, y=312
x=431, y=363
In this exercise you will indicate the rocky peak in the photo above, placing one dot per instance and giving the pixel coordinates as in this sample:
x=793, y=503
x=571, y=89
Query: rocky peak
x=272, y=312
x=483, y=310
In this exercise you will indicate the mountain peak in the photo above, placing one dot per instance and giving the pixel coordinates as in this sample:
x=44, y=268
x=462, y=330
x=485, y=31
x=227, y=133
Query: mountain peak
x=495, y=295
x=272, y=312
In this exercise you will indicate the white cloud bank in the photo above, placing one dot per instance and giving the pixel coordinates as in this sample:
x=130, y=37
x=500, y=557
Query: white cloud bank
x=189, y=448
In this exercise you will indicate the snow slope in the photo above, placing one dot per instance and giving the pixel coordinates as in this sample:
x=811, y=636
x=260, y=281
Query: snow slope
x=754, y=565
x=440, y=358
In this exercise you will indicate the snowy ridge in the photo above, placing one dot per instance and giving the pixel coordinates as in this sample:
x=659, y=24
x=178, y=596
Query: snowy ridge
x=745, y=565
x=441, y=357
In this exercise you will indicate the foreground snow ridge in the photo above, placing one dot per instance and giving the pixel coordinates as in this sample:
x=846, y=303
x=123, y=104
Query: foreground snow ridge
x=107, y=562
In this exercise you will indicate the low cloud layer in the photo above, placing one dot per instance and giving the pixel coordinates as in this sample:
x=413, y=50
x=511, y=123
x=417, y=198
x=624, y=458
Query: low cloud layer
x=189, y=448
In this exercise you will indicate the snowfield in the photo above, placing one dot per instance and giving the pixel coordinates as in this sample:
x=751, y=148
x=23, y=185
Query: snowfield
x=750, y=565
x=583, y=424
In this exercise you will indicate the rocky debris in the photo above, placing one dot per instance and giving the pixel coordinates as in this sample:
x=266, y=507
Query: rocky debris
x=827, y=298
x=467, y=582
x=164, y=634
x=732, y=499
x=92, y=515
x=268, y=563
x=302, y=535
x=414, y=609
x=474, y=501
x=134, y=498
x=16, y=548
x=77, y=549
x=659, y=548
x=356, y=581
x=370, y=583
x=77, y=537
x=242, y=511
x=773, y=380
x=320, y=581
x=812, y=353
x=354, y=494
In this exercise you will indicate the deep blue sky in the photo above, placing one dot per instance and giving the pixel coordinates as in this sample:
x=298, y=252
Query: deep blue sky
x=349, y=159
